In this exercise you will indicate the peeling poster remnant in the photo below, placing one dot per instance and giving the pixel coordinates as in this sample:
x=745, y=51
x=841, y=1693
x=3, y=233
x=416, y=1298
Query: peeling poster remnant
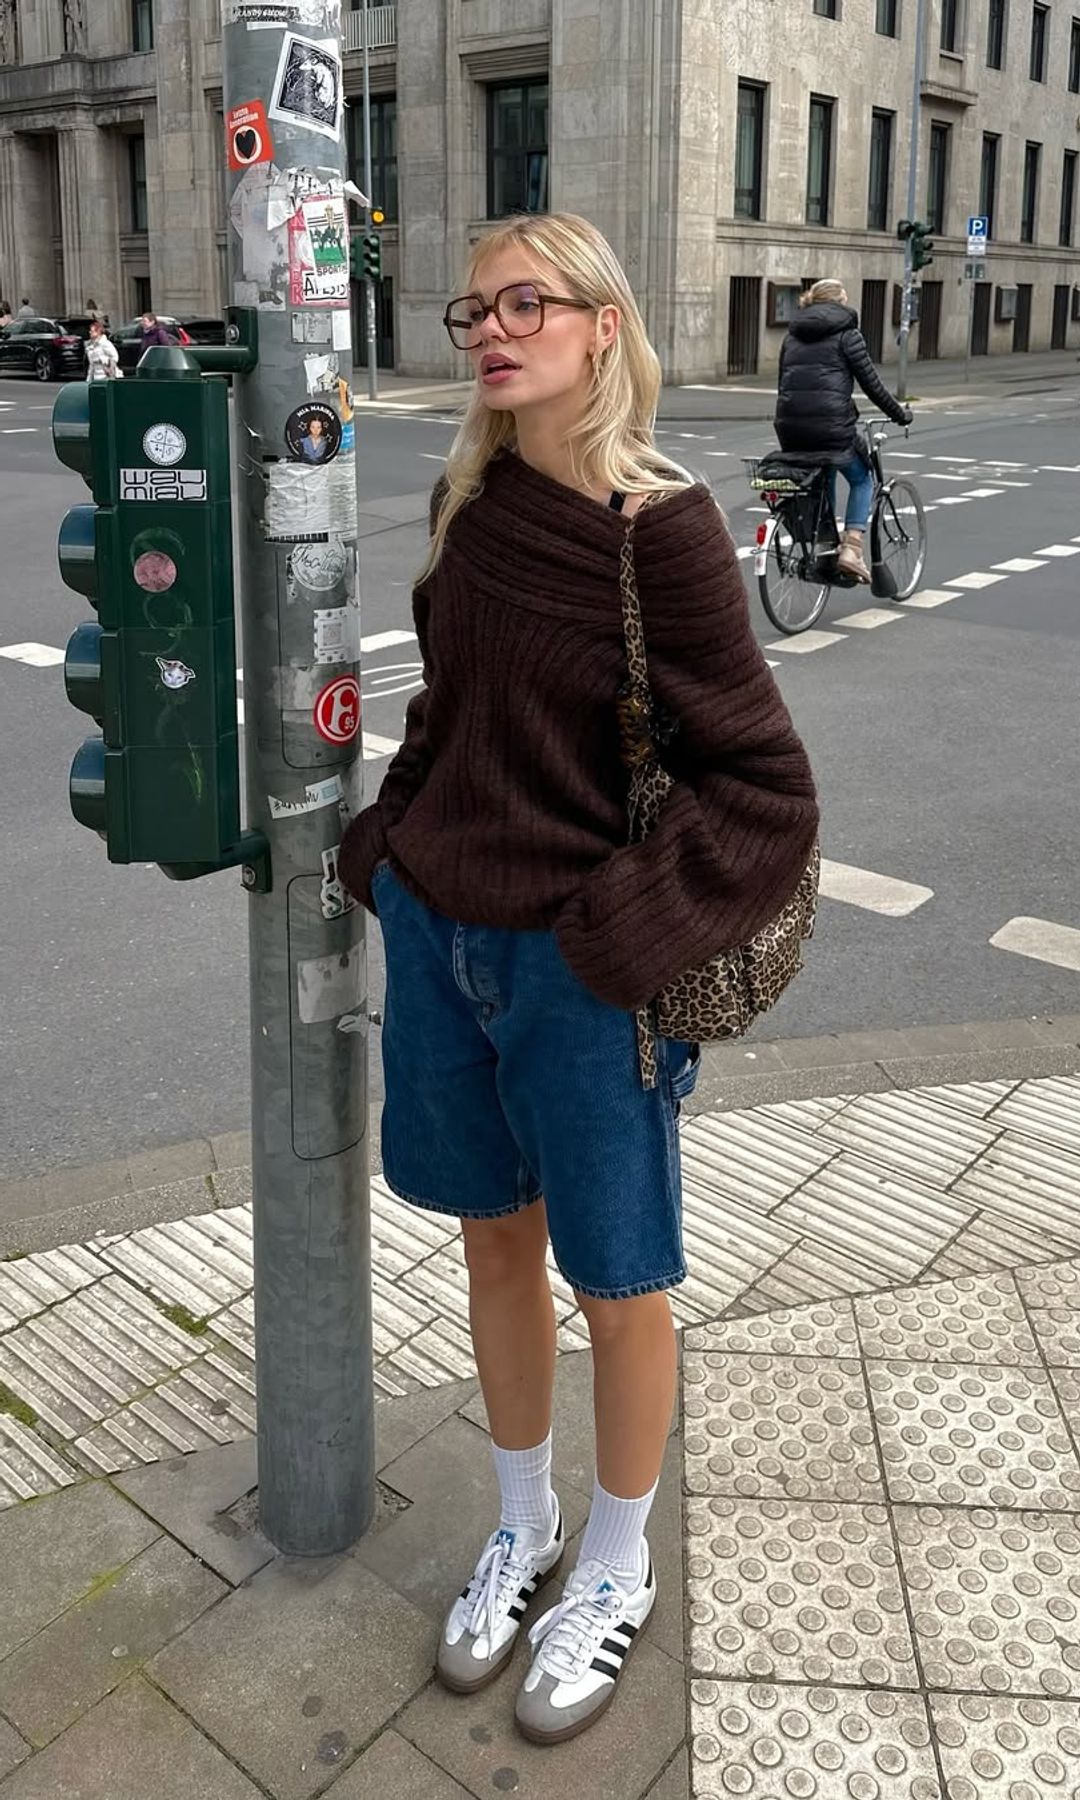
x=327, y=986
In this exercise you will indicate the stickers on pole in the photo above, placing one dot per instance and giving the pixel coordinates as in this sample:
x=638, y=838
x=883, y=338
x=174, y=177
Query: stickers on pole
x=269, y=15
x=317, y=796
x=336, y=713
x=334, y=898
x=247, y=136
x=318, y=251
x=313, y=432
x=174, y=674
x=307, y=85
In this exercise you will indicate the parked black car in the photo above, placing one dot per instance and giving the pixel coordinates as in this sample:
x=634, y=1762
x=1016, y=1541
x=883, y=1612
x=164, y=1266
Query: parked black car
x=51, y=349
x=128, y=338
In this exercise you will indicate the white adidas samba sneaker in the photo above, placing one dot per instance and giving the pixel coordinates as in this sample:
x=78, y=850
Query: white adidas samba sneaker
x=582, y=1647
x=480, y=1632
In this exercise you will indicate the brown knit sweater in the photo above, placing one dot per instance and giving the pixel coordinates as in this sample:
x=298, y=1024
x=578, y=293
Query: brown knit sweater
x=506, y=804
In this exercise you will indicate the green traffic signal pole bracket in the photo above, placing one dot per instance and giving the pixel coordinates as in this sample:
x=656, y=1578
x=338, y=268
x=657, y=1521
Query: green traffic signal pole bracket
x=251, y=855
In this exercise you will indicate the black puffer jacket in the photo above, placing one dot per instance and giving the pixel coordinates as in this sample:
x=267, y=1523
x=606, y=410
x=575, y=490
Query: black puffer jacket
x=823, y=355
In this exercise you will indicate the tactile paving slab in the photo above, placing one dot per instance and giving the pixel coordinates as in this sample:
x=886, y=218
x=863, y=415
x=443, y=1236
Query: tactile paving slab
x=809, y=1743
x=995, y=1749
x=912, y=1131
x=976, y=1319
x=779, y=1427
x=995, y=1598
x=1052, y=1296
x=970, y=1437
x=1044, y=1109
x=783, y=1590
x=827, y=1329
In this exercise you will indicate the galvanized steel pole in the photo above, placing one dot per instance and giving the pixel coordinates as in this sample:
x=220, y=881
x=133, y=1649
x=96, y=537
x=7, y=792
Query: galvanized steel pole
x=369, y=285
x=912, y=197
x=296, y=506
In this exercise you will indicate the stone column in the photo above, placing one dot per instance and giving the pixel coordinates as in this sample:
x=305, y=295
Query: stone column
x=28, y=206
x=89, y=223
x=425, y=183
x=182, y=215
x=10, y=271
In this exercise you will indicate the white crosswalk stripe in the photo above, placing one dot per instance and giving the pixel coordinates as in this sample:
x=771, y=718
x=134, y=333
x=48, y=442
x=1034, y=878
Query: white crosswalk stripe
x=38, y=656
x=807, y=642
x=1060, y=550
x=883, y=894
x=1020, y=565
x=1042, y=940
x=978, y=578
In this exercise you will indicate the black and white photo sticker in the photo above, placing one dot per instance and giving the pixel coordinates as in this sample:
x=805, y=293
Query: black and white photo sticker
x=307, y=86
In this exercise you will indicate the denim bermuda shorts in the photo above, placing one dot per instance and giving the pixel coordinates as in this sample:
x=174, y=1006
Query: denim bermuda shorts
x=507, y=1080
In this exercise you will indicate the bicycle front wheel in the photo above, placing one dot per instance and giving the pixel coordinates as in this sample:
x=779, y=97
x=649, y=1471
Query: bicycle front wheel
x=899, y=536
x=791, y=602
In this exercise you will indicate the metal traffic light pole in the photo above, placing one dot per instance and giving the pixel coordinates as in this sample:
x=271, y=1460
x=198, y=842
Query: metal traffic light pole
x=912, y=199
x=296, y=505
x=369, y=284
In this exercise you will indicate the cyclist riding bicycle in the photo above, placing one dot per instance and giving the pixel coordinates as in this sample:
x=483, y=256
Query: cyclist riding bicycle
x=822, y=357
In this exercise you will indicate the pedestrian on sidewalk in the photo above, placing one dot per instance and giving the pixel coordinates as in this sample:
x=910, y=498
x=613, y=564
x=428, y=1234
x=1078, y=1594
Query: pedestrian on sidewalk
x=6, y=314
x=522, y=930
x=153, y=331
x=25, y=311
x=102, y=356
x=822, y=357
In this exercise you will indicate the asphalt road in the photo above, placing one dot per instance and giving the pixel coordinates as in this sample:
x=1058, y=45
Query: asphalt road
x=944, y=743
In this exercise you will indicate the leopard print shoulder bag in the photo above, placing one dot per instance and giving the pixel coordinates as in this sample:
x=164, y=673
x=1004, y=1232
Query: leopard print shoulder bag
x=723, y=997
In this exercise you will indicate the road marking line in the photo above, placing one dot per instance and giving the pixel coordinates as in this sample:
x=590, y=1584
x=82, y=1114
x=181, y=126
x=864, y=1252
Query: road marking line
x=379, y=746
x=873, y=893
x=718, y=452
x=1060, y=550
x=1042, y=940
x=933, y=475
x=920, y=455
x=1002, y=483
x=17, y=430
x=1059, y=468
x=1020, y=565
x=982, y=493
x=931, y=508
x=807, y=641
x=998, y=462
x=870, y=619
x=36, y=656
x=952, y=459
x=978, y=578
x=954, y=500
x=385, y=640
x=430, y=456
x=929, y=597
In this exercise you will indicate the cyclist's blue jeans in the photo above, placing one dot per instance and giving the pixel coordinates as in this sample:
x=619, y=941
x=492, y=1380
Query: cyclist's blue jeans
x=860, y=482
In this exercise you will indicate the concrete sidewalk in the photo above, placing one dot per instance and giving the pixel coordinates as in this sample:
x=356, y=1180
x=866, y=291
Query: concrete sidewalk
x=935, y=384
x=866, y=1535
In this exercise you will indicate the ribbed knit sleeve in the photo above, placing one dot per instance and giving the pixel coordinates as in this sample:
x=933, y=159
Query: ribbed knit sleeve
x=737, y=829
x=364, y=845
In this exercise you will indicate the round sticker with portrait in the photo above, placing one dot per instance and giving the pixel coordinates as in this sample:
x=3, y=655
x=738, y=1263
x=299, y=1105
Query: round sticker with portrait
x=313, y=433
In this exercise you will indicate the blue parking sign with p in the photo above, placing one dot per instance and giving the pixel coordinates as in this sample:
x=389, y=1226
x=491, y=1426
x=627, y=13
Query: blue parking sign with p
x=977, y=226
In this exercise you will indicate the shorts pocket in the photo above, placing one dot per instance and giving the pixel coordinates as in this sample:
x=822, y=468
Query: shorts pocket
x=684, y=1067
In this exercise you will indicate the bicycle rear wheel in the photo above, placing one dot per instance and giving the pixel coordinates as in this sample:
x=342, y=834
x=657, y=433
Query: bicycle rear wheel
x=898, y=536
x=792, y=602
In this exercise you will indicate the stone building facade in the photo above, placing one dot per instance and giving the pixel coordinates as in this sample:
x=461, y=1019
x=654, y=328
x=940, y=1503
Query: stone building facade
x=731, y=149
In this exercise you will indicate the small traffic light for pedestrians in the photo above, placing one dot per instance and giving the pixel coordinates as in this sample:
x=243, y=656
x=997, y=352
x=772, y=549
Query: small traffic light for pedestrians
x=371, y=255
x=157, y=669
x=921, y=247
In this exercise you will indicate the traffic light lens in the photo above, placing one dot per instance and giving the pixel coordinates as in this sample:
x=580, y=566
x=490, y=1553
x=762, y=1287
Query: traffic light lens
x=87, y=785
x=377, y=216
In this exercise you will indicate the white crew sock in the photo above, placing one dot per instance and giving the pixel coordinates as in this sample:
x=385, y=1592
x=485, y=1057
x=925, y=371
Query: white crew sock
x=525, y=1486
x=615, y=1534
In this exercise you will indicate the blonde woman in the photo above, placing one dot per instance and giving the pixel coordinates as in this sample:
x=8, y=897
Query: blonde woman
x=521, y=930
x=821, y=359
x=102, y=356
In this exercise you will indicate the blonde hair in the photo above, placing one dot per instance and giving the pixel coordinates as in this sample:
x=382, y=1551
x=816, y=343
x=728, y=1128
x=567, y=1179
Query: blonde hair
x=822, y=291
x=612, y=446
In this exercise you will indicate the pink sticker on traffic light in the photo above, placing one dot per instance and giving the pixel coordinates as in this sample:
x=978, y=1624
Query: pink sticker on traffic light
x=154, y=572
x=336, y=712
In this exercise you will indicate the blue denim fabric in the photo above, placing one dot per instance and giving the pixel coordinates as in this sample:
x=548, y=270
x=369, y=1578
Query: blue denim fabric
x=860, y=482
x=507, y=1080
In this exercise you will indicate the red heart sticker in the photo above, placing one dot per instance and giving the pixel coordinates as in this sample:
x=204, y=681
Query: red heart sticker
x=247, y=135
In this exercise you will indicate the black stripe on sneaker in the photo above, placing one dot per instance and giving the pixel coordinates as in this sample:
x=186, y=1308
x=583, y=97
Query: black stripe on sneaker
x=612, y=1647
x=630, y=1630
x=603, y=1668
x=518, y=1610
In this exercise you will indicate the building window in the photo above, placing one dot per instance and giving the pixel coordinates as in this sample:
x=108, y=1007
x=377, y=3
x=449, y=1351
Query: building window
x=1074, y=58
x=885, y=22
x=517, y=148
x=988, y=179
x=995, y=34
x=749, y=150
x=137, y=172
x=826, y=9
x=1029, y=209
x=1040, y=32
x=881, y=142
x=1068, y=199
x=384, y=191
x=819, y=166
x=950, y=25
x=937, y=192
x=142, y=24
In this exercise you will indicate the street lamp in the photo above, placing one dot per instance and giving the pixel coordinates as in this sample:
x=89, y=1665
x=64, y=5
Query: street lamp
x=912, y=199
